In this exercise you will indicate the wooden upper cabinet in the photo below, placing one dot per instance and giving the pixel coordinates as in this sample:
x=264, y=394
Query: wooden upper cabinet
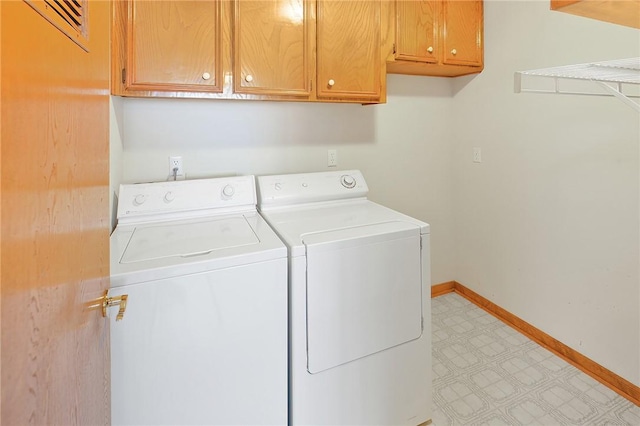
x=462, y=32
x=349, y=57
x=439, y=38
x=298, y=50
x=418, y=40
x=173, y=45
x=272, y=51
x=620, y=12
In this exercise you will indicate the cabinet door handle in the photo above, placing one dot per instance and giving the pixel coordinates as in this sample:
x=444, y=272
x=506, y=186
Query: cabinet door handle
x=248, y=78
x=454, y=52
x=430, y=49
x=206, y=76
x=331, y=83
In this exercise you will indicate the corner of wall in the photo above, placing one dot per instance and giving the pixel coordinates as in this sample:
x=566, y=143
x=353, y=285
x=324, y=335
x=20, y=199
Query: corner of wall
x=116, y=140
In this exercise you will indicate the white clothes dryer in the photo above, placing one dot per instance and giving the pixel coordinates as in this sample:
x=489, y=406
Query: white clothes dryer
x=204, y=335
x=360, y=307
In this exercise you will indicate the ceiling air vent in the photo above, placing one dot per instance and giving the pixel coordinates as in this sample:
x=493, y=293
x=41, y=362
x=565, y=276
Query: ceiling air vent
x=69, y=16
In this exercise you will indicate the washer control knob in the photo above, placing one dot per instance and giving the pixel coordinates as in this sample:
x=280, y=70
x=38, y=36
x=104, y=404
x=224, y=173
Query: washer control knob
x=169, y=197
x=348, y=181
x=139, y=199
x=228, y=191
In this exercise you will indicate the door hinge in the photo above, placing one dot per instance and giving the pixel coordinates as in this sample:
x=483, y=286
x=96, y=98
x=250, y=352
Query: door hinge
x=394, y=48
x=124, y=75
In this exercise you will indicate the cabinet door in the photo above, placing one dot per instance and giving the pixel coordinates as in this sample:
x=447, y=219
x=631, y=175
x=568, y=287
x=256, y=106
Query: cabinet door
x=174, y=45
x=272, y=47
x=348, y=49
x=416, y=30
x=462, y=32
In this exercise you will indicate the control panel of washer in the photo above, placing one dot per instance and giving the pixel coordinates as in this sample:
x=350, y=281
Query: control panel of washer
x=187, y=195
x=281, y=190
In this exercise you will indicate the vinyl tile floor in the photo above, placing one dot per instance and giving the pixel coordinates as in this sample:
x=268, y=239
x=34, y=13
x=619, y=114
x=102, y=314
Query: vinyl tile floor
x=486, y=373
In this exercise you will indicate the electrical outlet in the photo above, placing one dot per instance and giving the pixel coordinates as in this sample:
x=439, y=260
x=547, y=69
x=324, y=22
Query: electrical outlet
x=332, y=158
x=477, y=155
x=175, y=167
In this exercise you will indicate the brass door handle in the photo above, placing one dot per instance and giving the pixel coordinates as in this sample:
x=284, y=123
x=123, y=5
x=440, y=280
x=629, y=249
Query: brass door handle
x=120, y=301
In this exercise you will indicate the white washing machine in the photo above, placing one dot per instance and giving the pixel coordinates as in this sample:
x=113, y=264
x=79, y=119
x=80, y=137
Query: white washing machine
x=203, y=339
x=360, y=307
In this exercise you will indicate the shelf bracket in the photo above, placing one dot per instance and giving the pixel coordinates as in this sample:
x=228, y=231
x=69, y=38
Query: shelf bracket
x=618, y=94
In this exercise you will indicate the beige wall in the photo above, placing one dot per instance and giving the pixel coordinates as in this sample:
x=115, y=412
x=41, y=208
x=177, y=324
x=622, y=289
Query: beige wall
x=547, y=225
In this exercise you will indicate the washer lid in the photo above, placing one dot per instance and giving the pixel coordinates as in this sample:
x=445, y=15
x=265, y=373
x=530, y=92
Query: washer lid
x=185, y=240
x=159, y=250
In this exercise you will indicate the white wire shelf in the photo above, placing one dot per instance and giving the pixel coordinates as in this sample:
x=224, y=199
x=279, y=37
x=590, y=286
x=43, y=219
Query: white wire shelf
x=619, y=78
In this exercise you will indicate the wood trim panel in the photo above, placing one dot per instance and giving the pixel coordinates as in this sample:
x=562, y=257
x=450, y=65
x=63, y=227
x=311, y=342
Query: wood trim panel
x=559, y=4
x=444, y=288
x=608, y=378
x=118, y=46
x=1, y=211
x=432, y=70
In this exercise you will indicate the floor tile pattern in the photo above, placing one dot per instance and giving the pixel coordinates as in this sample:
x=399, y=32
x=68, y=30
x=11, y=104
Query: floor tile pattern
x=486, y=373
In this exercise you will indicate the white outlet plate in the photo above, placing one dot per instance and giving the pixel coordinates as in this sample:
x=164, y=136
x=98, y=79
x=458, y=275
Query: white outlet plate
x=477, y=155
x=332, y=158
x=176, y=163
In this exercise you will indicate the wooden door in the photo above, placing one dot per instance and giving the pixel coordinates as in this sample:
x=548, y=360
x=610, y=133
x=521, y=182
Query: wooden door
x=348, y=49
x=55, y=225
x=462, y=32
x=416, y=30
x=272, y=47
x=174, y=46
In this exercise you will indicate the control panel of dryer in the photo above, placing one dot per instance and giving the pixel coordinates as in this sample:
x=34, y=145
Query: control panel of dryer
x=173, y=197
x=283, y=190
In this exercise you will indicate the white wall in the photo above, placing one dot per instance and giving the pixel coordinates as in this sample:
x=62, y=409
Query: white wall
x=547, y=225
x=116, y=123
x=402, y=147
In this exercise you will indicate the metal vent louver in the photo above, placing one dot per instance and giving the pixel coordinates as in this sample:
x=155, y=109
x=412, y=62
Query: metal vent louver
x=68, y=16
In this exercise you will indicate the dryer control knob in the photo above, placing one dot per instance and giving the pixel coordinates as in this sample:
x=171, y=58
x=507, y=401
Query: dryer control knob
x=169, y=197
x=228, y=191
x=139, y=199
x=348, y=181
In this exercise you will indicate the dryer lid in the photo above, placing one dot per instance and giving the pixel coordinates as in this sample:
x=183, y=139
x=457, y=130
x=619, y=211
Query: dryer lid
x=301, y=225
x=185, y=240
